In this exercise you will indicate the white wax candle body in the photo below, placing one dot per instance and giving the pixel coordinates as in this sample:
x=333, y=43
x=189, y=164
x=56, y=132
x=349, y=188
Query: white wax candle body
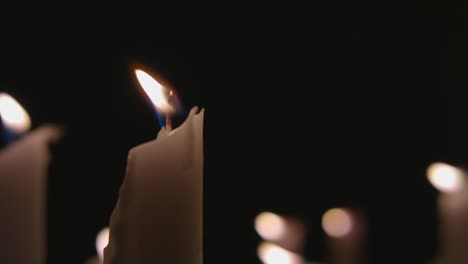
x=23, y=181
x=158, y=217
x=453, y=217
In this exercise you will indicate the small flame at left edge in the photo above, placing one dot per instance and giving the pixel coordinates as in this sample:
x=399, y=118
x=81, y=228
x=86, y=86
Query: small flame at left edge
x=14, y=116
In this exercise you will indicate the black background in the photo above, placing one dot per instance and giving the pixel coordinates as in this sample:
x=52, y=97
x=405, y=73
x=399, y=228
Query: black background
x=307, y=107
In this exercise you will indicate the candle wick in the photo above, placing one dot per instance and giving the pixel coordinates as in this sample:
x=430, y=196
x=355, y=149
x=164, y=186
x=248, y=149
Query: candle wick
x=168, y=115
x=168, y=122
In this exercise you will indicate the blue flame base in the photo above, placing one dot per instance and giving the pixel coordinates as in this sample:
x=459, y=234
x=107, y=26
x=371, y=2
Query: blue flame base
x=7, y=137
x=176, y=119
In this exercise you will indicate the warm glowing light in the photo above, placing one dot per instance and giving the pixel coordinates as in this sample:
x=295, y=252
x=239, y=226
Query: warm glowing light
x=157, y=93
x=445, y=178
x=337, y=222
x=270, y=226
x=272, y=254
x=13, y=115
x=102, y=239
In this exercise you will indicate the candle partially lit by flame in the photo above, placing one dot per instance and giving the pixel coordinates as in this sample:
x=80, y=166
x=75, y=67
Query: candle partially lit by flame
x=14, y=117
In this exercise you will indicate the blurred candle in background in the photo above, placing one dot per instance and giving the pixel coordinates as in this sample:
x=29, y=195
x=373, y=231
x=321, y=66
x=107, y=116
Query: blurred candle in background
x=284, y=231
x=345, y=235
x=23, y=182
x=270, y=253
x=452, y=203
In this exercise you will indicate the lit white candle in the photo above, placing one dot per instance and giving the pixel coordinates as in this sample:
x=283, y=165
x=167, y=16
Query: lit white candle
x=23, y=181
x=345, y=234
x=158, y=216
x=452, y=205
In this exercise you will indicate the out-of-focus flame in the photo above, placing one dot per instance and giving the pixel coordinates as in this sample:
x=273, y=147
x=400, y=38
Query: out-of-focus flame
x=102, y=239
x=270, y=226
x=157, y=93
x=337, y=222
x=445, y=178
x=13, y=115
x=272, y=254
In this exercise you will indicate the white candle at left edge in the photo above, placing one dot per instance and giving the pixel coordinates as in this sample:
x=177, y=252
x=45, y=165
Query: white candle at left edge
x=23, y=181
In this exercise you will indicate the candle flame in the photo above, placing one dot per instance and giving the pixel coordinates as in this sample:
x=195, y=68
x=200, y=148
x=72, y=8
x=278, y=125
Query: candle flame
x=270, y=226
x=157, y=93
x=445, y=178
x=337, y=222
x=272, y=254
x=102, y=239
x=13, y=115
